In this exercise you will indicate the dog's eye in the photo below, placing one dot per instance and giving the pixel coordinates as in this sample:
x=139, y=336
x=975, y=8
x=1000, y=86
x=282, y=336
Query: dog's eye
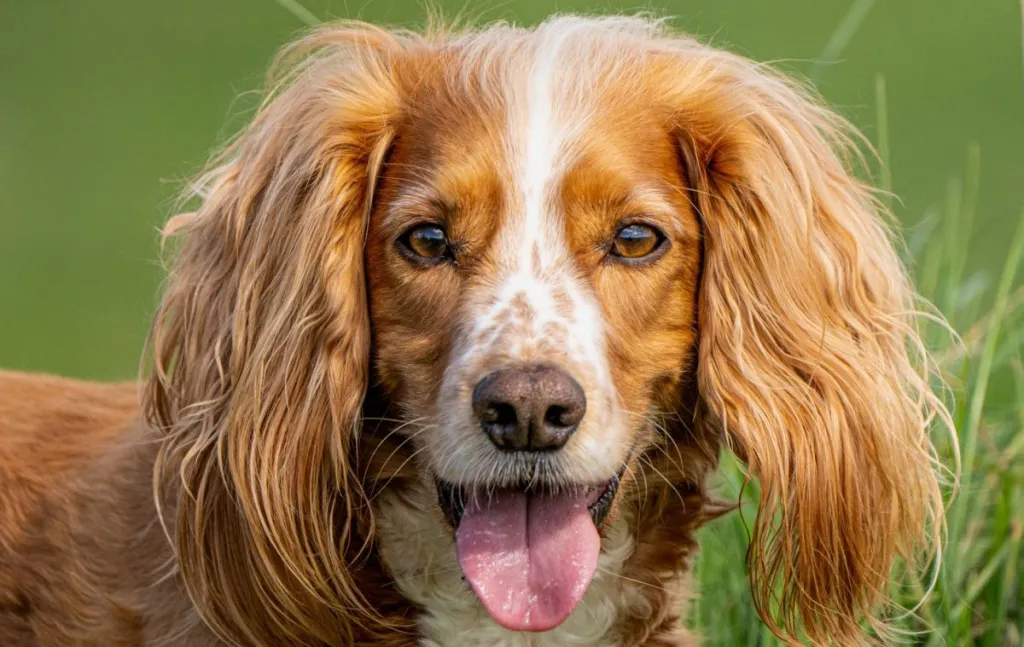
x=636, y=242
x=426, y=242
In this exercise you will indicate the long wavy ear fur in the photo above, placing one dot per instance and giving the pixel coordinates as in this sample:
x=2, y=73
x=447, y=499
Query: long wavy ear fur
x=809, y=357
x=260, y=352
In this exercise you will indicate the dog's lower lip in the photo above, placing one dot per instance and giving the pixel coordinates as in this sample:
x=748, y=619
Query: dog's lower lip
x=452, y=500
x=602, y=505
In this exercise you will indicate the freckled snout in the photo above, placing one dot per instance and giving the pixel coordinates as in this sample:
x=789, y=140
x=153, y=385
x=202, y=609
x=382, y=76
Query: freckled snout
x=529, y=408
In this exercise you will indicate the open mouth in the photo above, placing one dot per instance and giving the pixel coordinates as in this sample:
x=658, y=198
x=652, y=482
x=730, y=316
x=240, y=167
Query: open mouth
x=453, y=499
x=529, y=554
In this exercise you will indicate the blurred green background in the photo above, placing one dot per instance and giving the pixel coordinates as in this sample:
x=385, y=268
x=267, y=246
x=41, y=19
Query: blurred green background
x=107, y=105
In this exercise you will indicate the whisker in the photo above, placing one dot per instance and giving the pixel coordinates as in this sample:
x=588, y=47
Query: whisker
x=384, y=487
x=667, y=482
x=392, y=433
x=400, y=446
x=385, y=419
x=634, y=581
x=665, y=434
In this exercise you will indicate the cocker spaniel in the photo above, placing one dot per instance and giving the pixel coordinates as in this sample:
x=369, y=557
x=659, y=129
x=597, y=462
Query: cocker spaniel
x=451, y=346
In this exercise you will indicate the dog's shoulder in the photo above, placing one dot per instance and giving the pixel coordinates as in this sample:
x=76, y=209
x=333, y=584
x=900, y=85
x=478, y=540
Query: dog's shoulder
x=52, y=431
x=60, y=446
x=52, y=424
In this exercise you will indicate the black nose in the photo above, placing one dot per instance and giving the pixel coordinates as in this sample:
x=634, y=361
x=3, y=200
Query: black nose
x=531, y=408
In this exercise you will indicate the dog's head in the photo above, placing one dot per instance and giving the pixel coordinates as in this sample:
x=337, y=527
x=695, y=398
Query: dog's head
x=536, y=246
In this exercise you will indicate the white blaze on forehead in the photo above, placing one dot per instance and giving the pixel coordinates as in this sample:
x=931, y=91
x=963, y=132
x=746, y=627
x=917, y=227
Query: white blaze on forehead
x=546, y=114
x=547, y=117
x=540, y=142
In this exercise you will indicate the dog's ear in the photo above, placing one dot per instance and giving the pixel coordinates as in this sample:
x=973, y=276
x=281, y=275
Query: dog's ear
x=809, y=357
x=260, y=352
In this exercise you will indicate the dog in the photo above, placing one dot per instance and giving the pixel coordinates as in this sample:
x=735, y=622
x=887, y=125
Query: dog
x=449, y=350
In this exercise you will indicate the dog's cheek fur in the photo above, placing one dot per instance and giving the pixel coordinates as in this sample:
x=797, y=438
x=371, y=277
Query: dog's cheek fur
x=649, y=310
x=436, y=175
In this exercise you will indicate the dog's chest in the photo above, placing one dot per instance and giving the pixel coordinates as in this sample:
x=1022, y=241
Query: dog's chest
x=420, y=556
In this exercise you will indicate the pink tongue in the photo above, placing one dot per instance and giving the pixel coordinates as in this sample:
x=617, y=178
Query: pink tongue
x=528, y=558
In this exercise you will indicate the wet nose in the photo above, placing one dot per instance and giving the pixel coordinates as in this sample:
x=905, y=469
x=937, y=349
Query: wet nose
x=529, y=408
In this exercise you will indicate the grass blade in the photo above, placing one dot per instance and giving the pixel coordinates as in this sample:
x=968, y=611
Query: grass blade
x=841, y=37
x=965, y=225
x=295, y=8
x=882, y=123
x=969, y=435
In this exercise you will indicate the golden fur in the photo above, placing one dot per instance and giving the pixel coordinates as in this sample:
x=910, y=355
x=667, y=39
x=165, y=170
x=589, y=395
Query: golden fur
x=299, y=367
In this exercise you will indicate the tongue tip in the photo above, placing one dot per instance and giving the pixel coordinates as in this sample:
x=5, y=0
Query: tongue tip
x=535, y=623
x=535, y=611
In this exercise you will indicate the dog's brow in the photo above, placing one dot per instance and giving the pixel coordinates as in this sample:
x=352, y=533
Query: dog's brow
x=417, y=202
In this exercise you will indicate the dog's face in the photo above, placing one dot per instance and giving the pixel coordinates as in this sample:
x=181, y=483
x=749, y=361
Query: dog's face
x=539, y=245
x=532, y=272
x=533, y=276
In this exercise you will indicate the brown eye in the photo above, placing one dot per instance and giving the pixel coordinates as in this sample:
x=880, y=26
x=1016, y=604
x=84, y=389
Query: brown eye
x=635, y=242
x=426, y=243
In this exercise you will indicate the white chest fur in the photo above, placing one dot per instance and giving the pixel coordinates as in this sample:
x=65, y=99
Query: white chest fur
x=420, y=556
